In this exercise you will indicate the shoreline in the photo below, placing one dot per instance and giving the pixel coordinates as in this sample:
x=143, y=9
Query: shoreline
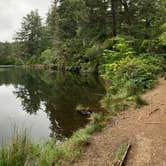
x=75, y=150
x=143, y=128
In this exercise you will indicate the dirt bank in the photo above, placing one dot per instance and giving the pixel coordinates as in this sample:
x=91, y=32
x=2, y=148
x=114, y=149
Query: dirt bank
x=144, y=128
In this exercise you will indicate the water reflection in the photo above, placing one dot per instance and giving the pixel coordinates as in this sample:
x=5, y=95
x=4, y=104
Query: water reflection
x=48, y=100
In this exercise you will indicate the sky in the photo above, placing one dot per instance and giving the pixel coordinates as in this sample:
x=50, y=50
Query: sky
x=12, y=11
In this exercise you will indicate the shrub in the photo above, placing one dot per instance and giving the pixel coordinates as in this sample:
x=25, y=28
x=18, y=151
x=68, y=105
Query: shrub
x=123, y=42
x=130, y=74
x=47, y=57
x=139, y=101
x=120, y=48
x=7, y=60
x=162, y=36
x=150, y=46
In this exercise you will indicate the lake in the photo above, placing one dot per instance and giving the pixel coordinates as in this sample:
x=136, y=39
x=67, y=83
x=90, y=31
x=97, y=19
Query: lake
x=45, y=103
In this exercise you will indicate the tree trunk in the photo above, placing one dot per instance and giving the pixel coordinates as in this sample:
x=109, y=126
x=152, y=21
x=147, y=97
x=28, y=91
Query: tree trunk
x=114, y=19
x=125, y=5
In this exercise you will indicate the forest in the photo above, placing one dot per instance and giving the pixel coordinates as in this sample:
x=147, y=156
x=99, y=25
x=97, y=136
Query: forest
x=76, y=33
x=121, y=41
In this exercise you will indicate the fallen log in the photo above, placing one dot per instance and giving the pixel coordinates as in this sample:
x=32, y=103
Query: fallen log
x=121, y=155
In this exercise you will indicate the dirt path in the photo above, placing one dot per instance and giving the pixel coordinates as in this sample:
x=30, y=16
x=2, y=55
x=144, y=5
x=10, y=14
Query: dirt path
x=144, y=128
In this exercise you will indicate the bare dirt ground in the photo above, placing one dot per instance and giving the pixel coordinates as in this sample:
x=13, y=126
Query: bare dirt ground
x=144, y=129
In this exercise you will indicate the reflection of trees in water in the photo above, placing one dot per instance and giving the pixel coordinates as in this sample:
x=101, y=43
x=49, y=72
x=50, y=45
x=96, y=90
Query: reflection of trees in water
x=30, y=99
x=60, y=93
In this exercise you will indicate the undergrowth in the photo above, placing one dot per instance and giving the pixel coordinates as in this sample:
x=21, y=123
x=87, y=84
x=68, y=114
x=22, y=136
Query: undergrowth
x=22, y=151
x=131, y=74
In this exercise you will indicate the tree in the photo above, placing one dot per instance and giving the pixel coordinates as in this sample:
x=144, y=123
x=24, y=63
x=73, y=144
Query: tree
x=98, y=19
x=114, y=18
x=73, y=27
x=30, y=36
x=52, y=22
x=64, y=22
x=142, y=19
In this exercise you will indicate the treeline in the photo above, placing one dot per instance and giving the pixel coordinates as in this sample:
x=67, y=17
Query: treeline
x=122, y=40
x=73, y=34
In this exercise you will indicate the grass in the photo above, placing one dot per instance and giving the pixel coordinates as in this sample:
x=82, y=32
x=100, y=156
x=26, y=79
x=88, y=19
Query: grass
x=120, y=96
x=121, y=151
x=22, y=151
x=139, y=102
x=120, y=155
x=121, y=101
x=19, y=151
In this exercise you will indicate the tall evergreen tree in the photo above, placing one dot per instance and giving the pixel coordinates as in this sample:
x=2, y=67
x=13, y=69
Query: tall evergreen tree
x=30, y=34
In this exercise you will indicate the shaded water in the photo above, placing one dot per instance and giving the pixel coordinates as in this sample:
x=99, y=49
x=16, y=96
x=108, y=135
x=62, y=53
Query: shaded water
x=45, y=102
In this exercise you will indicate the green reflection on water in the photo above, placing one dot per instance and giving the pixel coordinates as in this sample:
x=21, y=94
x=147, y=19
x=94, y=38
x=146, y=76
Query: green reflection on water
x=59, y=94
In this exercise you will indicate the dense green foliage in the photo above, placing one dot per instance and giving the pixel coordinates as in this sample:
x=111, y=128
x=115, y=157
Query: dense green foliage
x=131, y=72
x=9, y=54
x=30, y=37
x=121, y=40
x=72, y=35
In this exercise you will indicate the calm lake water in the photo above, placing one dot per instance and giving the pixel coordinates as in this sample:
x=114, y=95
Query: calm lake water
x=45, y=102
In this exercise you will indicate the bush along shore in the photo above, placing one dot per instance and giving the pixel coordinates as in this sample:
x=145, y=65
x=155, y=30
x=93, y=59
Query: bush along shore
x=132, y=68
x=23, y=151
x=132, y=71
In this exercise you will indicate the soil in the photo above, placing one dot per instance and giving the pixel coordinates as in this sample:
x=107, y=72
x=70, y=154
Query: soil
x=144, y=129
